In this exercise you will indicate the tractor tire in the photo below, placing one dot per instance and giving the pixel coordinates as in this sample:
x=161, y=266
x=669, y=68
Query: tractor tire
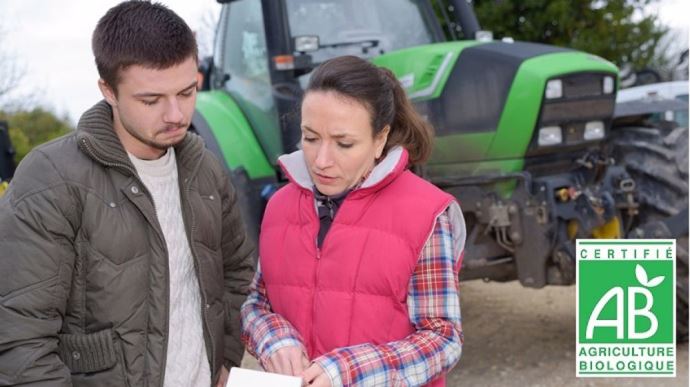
x=657, y=160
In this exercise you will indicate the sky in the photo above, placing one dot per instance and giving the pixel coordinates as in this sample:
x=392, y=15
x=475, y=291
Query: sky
x=50, y=39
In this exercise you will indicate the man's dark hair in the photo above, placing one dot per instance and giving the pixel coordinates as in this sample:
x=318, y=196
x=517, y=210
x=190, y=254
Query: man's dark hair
x=141, y=33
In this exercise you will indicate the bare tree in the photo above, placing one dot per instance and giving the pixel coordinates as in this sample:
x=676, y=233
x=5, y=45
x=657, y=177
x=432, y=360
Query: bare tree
x=12, y=76
x=11, y=72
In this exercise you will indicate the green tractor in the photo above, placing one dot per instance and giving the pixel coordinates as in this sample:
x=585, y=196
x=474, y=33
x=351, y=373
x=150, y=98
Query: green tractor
x=523, y=131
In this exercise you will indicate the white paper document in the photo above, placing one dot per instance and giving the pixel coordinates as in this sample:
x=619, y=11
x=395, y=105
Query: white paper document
x=241, y=377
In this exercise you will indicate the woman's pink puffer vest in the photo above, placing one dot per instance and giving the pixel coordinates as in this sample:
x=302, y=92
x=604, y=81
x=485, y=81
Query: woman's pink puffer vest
x=354, y=289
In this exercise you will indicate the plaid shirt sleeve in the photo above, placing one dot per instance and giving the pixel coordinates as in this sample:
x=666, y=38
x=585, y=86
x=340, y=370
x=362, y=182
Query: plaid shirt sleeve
x=263, y=331
x=434, y=309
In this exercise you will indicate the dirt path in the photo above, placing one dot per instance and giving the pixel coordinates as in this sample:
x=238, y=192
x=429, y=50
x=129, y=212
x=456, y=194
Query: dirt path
x=524, y=337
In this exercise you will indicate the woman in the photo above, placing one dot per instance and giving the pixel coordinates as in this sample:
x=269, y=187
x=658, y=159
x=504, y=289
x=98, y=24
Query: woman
x=357, y=283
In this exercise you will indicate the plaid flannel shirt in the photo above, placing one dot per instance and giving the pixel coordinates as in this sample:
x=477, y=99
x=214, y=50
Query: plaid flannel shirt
x=434, y=309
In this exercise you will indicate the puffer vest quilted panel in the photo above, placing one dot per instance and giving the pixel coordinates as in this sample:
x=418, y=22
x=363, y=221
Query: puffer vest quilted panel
x=354, y=289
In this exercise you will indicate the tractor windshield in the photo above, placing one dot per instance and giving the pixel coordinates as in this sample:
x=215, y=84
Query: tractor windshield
x=364, y=28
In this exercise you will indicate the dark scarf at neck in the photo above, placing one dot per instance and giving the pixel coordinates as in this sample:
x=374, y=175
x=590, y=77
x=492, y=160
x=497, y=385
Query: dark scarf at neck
x=327, y=207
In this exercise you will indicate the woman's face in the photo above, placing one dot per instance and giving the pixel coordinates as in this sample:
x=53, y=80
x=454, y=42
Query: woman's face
x=338, y=142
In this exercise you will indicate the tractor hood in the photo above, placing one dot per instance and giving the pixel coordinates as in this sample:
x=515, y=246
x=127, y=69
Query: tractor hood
x=484, y=99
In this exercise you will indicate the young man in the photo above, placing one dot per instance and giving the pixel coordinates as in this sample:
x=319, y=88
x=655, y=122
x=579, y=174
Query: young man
x=124, y=260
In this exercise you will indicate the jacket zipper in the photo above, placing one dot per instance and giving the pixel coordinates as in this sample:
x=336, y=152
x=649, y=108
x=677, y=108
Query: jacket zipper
x=91, y=153
x=207, y=330
x=318, y=260
x=316, y=281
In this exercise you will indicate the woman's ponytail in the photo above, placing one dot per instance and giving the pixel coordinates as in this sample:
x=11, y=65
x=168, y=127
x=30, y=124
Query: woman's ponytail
x=408, y=128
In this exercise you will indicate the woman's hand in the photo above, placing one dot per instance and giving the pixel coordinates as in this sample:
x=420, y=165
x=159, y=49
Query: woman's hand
x=287, y=361
x=315, y=376
x=223, y=379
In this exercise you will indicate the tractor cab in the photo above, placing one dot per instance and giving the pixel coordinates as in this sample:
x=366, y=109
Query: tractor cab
x=265, y=50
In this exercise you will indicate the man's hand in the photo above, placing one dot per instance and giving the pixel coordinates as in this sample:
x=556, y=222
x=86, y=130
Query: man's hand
x=223, y=379
x=287, y=361
x=315, y=376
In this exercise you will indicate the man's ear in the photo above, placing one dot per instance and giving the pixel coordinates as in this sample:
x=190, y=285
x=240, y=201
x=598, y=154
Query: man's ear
x=199, y=80
x=107, y=92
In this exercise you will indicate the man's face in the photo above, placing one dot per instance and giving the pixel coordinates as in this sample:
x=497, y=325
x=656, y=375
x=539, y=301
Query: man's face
x=153, y=108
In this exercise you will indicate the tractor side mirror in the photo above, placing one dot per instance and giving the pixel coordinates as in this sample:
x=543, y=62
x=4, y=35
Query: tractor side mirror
x=212, y=77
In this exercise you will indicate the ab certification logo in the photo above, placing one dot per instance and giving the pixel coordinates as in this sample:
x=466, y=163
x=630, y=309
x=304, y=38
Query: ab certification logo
x=626, y=308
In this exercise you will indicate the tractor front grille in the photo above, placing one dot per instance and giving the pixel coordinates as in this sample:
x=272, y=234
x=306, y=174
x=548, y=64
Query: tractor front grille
x=583, y=85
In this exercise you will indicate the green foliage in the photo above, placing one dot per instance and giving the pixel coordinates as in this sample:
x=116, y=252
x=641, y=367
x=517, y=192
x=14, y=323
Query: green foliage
x=621, y=31
x=30, y=128
x=20, y=143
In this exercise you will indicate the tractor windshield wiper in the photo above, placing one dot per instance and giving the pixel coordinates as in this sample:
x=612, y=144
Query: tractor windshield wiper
x=366, y=44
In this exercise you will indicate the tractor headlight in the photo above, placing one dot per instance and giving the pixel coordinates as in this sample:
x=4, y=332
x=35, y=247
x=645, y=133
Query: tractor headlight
x=608, y=84
x=306, y=43
x=594, y=130
x=550, y=135
x=554, y=89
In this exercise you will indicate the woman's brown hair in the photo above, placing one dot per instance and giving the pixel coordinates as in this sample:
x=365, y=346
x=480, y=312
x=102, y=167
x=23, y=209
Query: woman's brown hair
x=380, y=92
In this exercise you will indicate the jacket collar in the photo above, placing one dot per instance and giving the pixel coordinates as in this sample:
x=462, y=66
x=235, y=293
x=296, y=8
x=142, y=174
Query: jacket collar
x=96, y=138
x=394, y=164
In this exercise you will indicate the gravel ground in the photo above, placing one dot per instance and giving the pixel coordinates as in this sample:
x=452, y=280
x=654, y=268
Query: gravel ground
x=516, y=336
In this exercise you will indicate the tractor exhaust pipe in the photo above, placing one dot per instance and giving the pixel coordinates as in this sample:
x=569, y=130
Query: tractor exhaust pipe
x=466, y=17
